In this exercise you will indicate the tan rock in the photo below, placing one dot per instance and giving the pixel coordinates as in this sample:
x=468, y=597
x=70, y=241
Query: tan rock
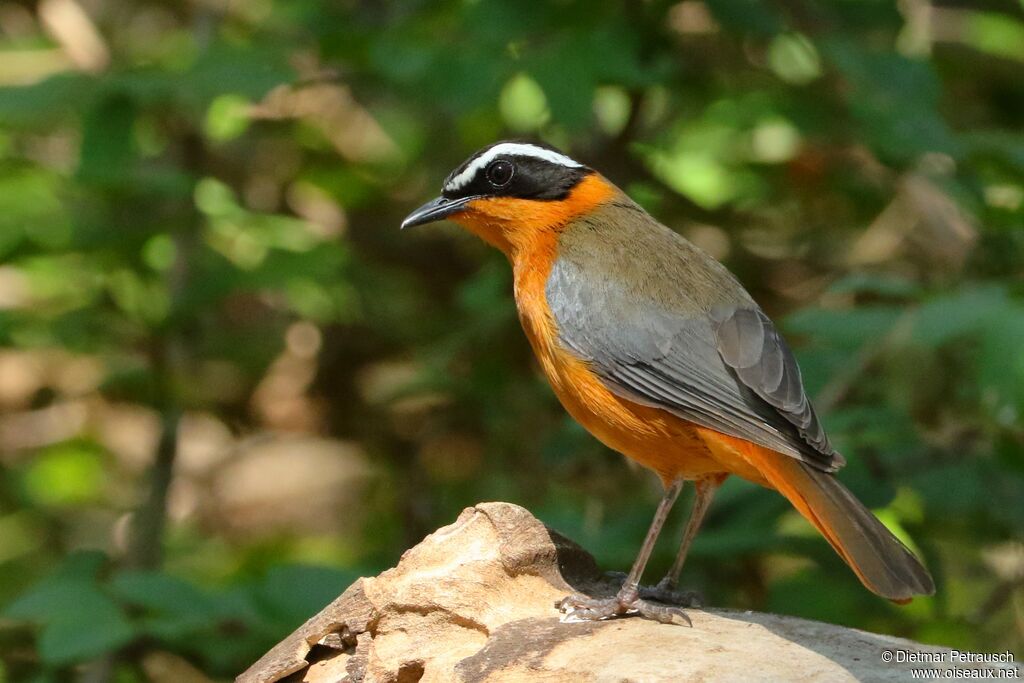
x=475, y=602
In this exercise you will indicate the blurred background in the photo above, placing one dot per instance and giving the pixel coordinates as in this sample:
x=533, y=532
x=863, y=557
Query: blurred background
x=229, y=385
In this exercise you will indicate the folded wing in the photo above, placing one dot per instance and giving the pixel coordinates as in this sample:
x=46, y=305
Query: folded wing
x=725, y=368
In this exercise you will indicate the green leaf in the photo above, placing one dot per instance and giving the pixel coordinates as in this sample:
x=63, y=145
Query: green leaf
x=746, y=16
x=46, y=102
x=159, y=592
x=794, y=58
x=957, y=314
x=997, y=34
x=249, y=72
x=50, y=596
x=108, y=151
x=828, y=596
x=227, y=117
x=567, y=75
x=51, y=599
x=1000, y=364
x=80, y=635
x=846, y=328
x=877, y=284
x=522, y=104
x=173, y=609
x=79, y=620
x=66, y=474
x=31, y=209
x=293, y=593
x=894, y=99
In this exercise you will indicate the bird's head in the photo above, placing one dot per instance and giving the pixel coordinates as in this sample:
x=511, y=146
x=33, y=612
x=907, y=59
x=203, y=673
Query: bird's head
x=509, y=192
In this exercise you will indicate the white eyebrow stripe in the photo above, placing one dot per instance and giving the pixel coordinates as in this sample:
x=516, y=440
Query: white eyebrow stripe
x=510, y=148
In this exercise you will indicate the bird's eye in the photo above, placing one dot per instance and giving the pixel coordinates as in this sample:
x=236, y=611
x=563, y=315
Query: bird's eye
x=500, y=172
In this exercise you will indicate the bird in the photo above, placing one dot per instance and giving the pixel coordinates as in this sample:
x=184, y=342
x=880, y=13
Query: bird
x=658, y=351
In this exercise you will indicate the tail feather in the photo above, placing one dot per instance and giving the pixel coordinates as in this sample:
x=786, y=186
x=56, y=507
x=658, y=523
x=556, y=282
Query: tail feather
x=883, y=564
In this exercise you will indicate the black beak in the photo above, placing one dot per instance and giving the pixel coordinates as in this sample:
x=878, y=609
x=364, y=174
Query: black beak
x=435, y=210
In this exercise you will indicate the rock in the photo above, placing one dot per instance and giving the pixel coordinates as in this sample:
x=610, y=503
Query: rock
x=475, y=602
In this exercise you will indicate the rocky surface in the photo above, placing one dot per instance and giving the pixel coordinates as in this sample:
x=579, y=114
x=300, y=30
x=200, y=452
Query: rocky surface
x=475, y=602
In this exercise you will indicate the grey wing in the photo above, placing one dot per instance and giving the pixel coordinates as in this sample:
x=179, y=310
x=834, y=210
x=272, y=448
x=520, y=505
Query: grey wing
x=750, y=345
x=729, y=371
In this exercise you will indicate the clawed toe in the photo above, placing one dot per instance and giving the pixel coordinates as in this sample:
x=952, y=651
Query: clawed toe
x=582, y=608
x=666, y=614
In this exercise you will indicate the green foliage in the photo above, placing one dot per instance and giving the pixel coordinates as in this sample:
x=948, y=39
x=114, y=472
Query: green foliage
x=79, y=621
x=199, y=249
x=70, y=473
x=83, y=611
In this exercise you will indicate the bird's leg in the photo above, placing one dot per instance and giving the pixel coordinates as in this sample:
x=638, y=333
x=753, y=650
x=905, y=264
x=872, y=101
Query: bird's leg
x=628, y=600
x=665, y=591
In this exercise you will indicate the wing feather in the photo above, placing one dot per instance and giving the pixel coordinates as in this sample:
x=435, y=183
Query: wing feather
x=725, y=368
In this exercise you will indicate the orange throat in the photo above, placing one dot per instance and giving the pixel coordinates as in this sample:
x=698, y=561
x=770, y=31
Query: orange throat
x=526, y=229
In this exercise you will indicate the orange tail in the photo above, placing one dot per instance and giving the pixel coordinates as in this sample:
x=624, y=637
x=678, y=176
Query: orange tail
x=882, y=563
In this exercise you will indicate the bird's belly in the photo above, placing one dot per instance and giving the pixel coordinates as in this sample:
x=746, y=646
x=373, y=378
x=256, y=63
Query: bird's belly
x=654, y=438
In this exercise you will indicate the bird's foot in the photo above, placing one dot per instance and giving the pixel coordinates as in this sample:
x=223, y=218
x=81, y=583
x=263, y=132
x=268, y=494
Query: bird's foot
x=627, y=602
